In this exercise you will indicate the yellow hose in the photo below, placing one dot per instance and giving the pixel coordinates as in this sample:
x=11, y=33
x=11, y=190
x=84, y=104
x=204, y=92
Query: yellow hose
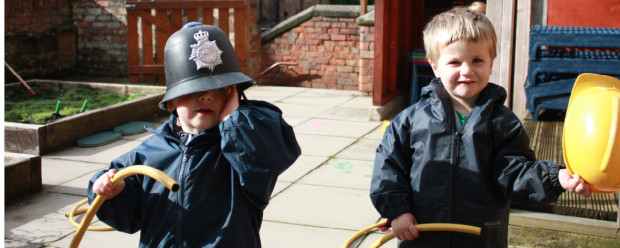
x=156, y=174
x=443, y=227
x=362, y=232
x=76, y=211
x=440, y=227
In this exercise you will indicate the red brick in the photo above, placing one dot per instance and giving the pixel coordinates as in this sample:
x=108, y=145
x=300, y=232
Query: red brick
x=338, y=37
x=274, y=57
x=338, y=25
x=312, y=42
x=306, y=24
x=344, y=69
x=328, y=54
x=322, y=24
x=353, y=24
x=349, y=31
x=353, y=37
x=333, y=31
x=337, y=62
x=364, y=45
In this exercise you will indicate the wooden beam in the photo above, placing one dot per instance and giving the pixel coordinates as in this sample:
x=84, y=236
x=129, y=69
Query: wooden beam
x=523, y=23
x=380, y=78
x=502, y=15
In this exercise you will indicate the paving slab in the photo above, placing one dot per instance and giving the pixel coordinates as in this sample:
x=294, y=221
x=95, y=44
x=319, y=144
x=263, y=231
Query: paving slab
x=41, y=218
x=272, y=94
x=99, y=154
x=280, y=186
x=362, y=149
x=321, y=206
x=105, y=239
x=57, y=171
x=342, y=173
x=302, y=166
x=377, y=133
x=301, y=110
x=77, y=186
x=334, y=92
x=346, y=113
x=320, y=145
x=313, y=98
x=286, y=235
x=340, y=128
x=359, y=102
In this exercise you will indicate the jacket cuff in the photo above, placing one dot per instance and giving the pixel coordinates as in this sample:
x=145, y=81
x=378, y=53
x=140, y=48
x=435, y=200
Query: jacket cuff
x=395, y=212
x=555, y=179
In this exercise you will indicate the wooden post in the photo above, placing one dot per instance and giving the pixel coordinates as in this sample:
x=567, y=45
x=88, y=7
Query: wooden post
x=521, y=58
x=502, y=15
x=363, y=7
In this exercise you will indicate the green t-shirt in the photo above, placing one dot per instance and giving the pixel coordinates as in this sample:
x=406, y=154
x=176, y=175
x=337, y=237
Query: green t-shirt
x=460, y=117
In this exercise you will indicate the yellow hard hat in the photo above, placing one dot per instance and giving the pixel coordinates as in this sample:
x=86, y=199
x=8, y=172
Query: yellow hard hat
x=591, y=139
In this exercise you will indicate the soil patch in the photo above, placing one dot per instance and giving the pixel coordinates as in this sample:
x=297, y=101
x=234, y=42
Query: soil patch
x=41, y=108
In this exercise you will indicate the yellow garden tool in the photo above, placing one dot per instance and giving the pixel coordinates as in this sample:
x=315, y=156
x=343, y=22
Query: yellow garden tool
x=156, y=174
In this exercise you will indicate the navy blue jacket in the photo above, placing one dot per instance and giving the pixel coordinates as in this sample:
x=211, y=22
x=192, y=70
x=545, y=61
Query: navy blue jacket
x=427, y=166
x=258, y=144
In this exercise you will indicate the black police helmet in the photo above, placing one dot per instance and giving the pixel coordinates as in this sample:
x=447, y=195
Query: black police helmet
x=198, y=58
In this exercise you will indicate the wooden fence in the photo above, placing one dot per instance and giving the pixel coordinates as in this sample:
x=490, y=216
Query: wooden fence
x=151, y=23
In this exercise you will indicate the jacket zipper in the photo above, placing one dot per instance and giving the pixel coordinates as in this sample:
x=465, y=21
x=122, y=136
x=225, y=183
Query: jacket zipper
x=180, y=197
x=455, y=169
x=456, y=153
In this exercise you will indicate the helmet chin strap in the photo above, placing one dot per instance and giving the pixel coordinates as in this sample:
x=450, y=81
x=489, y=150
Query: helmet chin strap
x=245, y=99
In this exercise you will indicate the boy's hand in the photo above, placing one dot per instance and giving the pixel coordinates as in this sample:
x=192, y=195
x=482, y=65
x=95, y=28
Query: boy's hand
x=103, y=186
x=574, y=183
x=404, y=227
x=232, y=104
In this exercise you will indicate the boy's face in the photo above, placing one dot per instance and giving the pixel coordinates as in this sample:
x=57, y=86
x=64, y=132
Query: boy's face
x=464, y=68
x=200, y=111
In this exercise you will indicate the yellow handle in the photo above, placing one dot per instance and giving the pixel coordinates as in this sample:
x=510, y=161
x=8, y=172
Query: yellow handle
x=156, y=174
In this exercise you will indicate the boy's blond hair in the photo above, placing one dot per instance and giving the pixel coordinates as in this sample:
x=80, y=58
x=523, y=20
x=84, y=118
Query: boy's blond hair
x=458, y=24
x=478, y=6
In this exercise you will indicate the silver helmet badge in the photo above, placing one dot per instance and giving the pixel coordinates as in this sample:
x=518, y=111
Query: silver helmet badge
x=205, y=53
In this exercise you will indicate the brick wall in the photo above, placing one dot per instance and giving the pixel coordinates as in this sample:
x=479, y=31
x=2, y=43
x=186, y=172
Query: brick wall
x=40, y=38
x=82, y=38
x=331, y=53
x=102, y=35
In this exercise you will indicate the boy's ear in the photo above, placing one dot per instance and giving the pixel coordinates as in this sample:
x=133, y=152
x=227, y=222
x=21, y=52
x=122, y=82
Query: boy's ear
x=434, y=67
x=170, y=105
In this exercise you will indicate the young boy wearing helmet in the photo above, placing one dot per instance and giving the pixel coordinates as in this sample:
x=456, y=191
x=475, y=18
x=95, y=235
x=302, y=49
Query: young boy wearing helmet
x=459, y=155
x=225, y=154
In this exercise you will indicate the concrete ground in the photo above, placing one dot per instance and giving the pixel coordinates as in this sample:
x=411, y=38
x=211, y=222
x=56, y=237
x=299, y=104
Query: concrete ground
x=321, y=201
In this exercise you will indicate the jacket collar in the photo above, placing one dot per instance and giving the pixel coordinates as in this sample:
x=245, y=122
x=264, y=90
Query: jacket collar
x=174, y=132
x=491, y=94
